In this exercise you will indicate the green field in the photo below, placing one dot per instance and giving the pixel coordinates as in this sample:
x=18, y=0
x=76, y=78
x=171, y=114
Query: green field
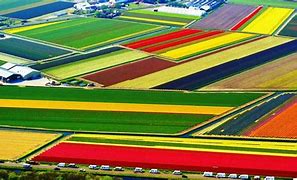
x=8, y=6
x=93, y=64
x=142, y=142
x=276, y=3
x=162, y=18
x=88, y=33
x=290, y=29
x=100, y=120
x=129, y=96
x=2, y=62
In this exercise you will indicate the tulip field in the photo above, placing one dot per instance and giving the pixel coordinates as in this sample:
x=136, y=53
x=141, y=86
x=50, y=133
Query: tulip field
x=16, y=144
x=196, y=86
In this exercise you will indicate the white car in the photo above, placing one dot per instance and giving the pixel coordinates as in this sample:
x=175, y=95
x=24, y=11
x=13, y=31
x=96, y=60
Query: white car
x=118, y=168
x=154, y=171
x=221, y=175
x=232, y=176
x=269, y=178
x=138, y=170
x=177, y=172
x=61, y=165
x=208, y=174
x=244, y=176
x=93, y=166
x=105, y=168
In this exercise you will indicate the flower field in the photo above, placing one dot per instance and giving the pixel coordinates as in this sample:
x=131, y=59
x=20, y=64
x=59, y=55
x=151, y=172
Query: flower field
x=100, y=110
x=40, y=10
x=230, y=16
x=275, y=3
x=8, y=6
x=282, y=125
x=278, y=74
x=16, y=144
x=162, y=18
x=92, y=64
x=291, y=28
x=170, y=159
x=269, y=21
x=203, y=63
x=58, y=33
x=129, y=71
x=29, y=50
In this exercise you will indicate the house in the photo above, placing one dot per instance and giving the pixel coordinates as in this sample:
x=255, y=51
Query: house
x=8, y=76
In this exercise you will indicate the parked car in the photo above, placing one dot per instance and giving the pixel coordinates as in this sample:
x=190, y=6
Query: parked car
x=93, y=167
x=27, y=166
x=221, y=175
x=32, y=162
x=177, y=172
x=82, y=170
x=269, y=178
x=138, y=170
x=208, y=174
x=61, y=165
x=57, y=169
x=257, y=178
x=243, y=176
x=154, y=171
x=232, y=176
x=72, y=165
x=105, y=168
x=118, y=168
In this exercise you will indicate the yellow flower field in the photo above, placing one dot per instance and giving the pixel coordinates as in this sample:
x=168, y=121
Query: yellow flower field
x=269, y=21
x=16, y=144
x=27, y=28
x=206, y=45
x=122, y=107
x=200, y=64
x=201, y=142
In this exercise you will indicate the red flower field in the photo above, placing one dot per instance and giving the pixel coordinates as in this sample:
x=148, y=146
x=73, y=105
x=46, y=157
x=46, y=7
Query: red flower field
x=161, y=38
x=246, y=19
x=171, y=159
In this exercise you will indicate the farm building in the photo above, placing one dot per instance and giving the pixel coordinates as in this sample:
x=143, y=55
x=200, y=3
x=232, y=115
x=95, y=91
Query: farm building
x=8, y=76
x=27, y=73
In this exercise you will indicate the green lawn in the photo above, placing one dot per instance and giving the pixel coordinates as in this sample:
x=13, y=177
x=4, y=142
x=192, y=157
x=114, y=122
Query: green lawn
x=142, y=142
x=100, y=121
x=93, y=64
x=129, y=96
x=87, y=33
x=276, y=3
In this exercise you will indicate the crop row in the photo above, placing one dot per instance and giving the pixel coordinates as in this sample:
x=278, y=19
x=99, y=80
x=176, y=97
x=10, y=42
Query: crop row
x=200, y=79
x=170, y=159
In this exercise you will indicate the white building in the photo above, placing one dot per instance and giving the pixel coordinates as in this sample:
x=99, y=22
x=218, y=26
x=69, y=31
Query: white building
x=26, y=72
x=186, y=11
x=8, y=76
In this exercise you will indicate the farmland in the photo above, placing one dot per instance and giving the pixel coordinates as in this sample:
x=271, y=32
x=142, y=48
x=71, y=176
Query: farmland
x=211, y=145
x=16, y=144
x=151, y=112
x=278, y=74
x=128, y=71
x=291, y=28
x=227, y=17
x=269, y=21
x=8, y=6
x=203, y=63
x=40, y=10
x=162, y=18
x=94, y=64
x=169, y=159
x=276, y=3
x=29, y=50
x=281, y=125
x=90, y=36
